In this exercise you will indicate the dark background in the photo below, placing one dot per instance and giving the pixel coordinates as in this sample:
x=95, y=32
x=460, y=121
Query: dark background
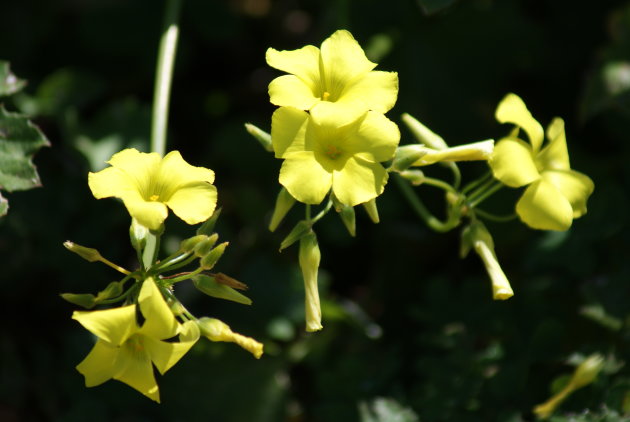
x=409, y=327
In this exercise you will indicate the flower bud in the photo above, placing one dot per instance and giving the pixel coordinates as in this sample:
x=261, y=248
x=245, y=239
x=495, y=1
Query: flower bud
x=309, y=258
x=204, y=247
x=188, y=245
x=138, y=235
x=88, y=254
x=284, y=202
x=212, y=257
x=216, y=330
x=423, y=134
x=407, y=155
x=477, y=236
x=207, y=227
x=414, y=176
x=469, y=152
x=209, y=285
x=261, y=136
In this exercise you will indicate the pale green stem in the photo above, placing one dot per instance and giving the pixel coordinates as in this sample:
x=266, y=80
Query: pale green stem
x=419, y=207
x=493, y=217
x=164, y=76
x=322, y=212
x=476, y=183
x=149, y=254
x=483, y=196
x=438, y=184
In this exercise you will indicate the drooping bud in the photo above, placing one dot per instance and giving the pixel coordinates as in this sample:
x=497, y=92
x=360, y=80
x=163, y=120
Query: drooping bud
x=284, y=202
x=423, y=134
x=584, y=374
x=261, y=136
x=414, y=176
x=216, y=330
x=476, y=151
x=210, y=260
x=309, y=258
x=476, y=236
x=138, y=235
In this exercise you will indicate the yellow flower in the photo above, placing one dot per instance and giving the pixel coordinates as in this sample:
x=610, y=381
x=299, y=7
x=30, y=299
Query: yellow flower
x=339, y=151
x=148, y=184
x=556, y=194
x=125, y=351
x=338, y=75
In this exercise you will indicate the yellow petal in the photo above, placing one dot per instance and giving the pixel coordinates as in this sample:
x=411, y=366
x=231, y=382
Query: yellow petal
x=288, y=125
x=305, y=178
x=359, y=181
x=137, y=372
x=543, y=207
x=513, y=110
x=194, y=203
x=303, y=63
x=574, y=186
x=114, y=325
x=148, y=213
x=140, y=167
x=555, y=155
x=111, y=182
x=100, y=364
x=175, y=172
x=512, y=163
x=159, y=320
x=289, y=90
x=376, y=91
x=342, y=62
x=166, y=354
x=377, y=136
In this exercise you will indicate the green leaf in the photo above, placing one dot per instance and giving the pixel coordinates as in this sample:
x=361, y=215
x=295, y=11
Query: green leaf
x=9, y=83
x=209, y=286
x=4, y=206
x=19, y=140
x=84, y=300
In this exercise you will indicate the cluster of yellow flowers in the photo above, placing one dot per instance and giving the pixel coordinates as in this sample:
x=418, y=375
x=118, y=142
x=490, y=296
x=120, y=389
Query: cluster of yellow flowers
x=152, y=327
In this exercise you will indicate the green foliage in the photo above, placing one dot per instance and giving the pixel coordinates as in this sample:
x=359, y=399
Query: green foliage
x=9, y=83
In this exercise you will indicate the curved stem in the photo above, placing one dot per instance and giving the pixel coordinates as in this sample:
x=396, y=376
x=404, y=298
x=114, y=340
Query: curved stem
x=322, y=212
x=475, y=183
x=493, y=217
x=457, y=175
x=484, y=195
x=419, y=207
x=438, y=184
x=164, y=76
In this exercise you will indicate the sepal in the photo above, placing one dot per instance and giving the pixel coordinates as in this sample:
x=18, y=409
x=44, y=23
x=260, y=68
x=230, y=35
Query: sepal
x=423, y=134
x=407, y=155
x=89, y=254
x=371, y=210
x=260, y=135
x=204, y=247
x=207, y=227
x=208, y=285
x=300, y=229
x=347, y=215
x=210, y=260
x=284, y=203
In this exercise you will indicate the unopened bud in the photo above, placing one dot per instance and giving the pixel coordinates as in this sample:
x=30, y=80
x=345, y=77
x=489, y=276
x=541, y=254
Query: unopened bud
x=587, y=371
x=212, y=257
x=88, y=254
x=284, y=202
x=261, y=136
x=476, y=151
x=407, y=155
x=204, y=247
x=187, y=245
x=138, y=235
x=216, y=330
x=309, y=258
x=423, y=134
x=207, y=227
x=414, y=176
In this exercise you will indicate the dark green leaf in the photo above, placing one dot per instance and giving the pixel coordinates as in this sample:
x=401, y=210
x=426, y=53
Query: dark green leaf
x=19, y=140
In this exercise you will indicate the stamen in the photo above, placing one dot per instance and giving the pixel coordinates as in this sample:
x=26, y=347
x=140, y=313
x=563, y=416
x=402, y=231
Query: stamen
x=332, y=152
x=154, y=198
x=325, y=96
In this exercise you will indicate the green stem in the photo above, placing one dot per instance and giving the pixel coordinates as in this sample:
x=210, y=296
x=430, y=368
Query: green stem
x=164, y=76
x=172, y=260
x=186, y=276
x=419, y=207
x=457, y=175
x=480, y=190
x=475, y=183
x=175, y=266
x=483, y=196
x=322, y=212
x=150, y=252
x=493, y=217
x=438, y=184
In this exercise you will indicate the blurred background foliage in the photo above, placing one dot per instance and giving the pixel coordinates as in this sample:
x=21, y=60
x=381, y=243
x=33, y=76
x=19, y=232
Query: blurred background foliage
x=411, y=332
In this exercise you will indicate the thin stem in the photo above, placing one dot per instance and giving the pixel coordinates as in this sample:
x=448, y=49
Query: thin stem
x=480, y=190
x=322, y=212
x=457, y=175
x=482, y=197
x=183, y=277
x=493, y=217
x=476, y=183
x=422, y=210
x=177, y=265
x=307, y=212
x=114, y=266
x=171, y=261
x=438, y=184
x=164, y=76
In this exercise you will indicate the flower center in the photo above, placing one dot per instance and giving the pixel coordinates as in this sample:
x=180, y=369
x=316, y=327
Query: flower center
x=325, y=96
x=154, y=198
x=332, y=152
x=136, y=344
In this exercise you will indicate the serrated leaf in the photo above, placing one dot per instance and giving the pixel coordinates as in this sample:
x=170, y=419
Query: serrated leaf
x=19, y=140
x=9, y=83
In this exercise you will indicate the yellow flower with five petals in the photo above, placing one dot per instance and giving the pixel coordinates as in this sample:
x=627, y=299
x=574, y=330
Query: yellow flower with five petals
x=338, y=75
x=555, y=194
x=126, y=351
x=149, y=184
x=339, y=152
